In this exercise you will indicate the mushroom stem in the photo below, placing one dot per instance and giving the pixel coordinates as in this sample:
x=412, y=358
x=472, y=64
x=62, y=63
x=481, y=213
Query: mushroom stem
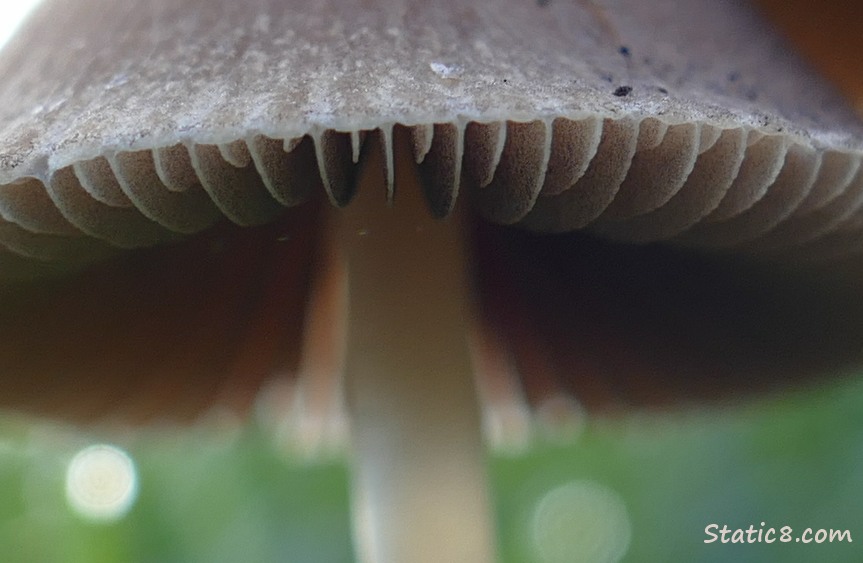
x=419, y=476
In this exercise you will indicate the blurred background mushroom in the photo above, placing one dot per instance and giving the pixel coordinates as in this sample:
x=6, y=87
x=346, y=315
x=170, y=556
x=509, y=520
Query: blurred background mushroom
x=168, y=190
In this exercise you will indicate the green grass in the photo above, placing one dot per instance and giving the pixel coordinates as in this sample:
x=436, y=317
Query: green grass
x=213, y=494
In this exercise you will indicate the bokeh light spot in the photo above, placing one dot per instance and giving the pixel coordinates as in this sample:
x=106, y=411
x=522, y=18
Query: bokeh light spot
x=101, y=483
x=580, y=521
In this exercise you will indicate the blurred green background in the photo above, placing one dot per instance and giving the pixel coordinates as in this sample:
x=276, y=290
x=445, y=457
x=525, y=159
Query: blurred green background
x=222, y=491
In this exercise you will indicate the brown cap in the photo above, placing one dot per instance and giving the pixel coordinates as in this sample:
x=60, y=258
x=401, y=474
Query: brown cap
x=128, y=125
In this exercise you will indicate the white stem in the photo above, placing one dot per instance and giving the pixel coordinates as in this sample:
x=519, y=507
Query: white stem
x=419, y=475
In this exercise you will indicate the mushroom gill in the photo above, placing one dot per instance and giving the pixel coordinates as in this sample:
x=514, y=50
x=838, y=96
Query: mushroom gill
x=171, y=173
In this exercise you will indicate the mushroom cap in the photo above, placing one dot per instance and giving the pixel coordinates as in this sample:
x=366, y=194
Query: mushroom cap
x=128, y=125
x=132, y=124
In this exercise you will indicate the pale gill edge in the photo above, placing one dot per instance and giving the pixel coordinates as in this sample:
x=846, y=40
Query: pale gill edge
x=634, y=181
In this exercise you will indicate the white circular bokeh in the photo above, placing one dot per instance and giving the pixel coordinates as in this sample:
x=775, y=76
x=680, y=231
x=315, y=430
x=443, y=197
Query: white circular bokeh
x=101, y=483
x=580, y=521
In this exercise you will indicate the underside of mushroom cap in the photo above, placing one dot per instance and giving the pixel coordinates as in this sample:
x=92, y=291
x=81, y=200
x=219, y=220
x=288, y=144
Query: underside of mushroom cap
x=130, y=124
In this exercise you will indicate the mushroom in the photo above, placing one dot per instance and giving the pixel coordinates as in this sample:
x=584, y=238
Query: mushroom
x=133, y=133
